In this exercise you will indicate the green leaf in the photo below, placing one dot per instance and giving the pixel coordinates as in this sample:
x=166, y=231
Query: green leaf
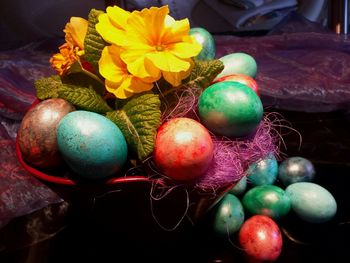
x=83, y=98
x=203, y=73
x=93, y=42
x=139, y=119
x=78, y=76
x=47, y=88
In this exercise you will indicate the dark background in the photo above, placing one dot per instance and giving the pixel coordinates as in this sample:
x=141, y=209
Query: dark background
x=119, y=227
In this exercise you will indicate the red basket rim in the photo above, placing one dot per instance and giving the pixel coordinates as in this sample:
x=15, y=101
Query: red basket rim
x=66, y=181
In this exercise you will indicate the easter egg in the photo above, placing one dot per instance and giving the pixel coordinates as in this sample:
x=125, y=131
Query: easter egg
x=244, y=79
x=260, y=238
x=268, y=200
x=228, y=216
x=37, y=133
x=206, y=40
x=230, y=109
x=296, y=169
x=92, y=145
x=312, y=202
x=240, y=187
x=238, y=63
x=183, y=149
x=264, y=171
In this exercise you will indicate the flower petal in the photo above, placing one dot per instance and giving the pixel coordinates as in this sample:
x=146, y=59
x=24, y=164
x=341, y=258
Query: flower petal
x=185, y=50
x=176, y=30
x=135, y=85
x=148, y=25
x=111, y=66
x=75, y=31
x=114, y=88
x=166, y=61
x=175, y=79
x=109, y=32
x=118, y=16
x=134, y=57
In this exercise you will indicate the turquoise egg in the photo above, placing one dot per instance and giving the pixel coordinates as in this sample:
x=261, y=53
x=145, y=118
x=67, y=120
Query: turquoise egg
x=312, y=202
x=228, y=215
x=264, y=171
x=207, y=42
x=92, y=145
x=238, y=63
x=240, y=187
x=268, y=200
x=296, y=169
x=230, y=109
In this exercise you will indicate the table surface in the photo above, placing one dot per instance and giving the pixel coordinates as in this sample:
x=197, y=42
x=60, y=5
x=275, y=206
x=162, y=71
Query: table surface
x=117, y=228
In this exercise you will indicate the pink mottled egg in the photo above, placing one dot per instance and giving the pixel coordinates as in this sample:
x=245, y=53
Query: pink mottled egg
x=37, y=133
x=260, y=239
x=183, y=149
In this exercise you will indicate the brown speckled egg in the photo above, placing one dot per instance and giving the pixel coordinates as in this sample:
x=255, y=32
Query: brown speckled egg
x=37, y=137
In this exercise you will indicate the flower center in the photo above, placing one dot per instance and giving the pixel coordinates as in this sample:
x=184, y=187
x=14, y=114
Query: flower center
x=159, y=48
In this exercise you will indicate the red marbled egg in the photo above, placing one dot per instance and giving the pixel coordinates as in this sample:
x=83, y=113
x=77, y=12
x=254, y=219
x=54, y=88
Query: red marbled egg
x=244, y=79
x=37, y=133
x=260, y=239
x=183, y=149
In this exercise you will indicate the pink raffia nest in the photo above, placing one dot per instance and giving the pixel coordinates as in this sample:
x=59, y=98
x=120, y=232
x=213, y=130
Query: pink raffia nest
x=232, y=156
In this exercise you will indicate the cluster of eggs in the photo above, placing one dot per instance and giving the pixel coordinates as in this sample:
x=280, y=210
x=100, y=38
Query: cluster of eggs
x=229, y=107
x=94, y=147
x=52, y=131
x=266, y=203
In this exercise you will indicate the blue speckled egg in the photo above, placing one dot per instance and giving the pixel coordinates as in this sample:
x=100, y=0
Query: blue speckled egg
x=207, y=42
x=296, y=169
x=263, y=172
x=92, y=145
x=228, y=216
x=311, y=202
x=240, y=187
x=238, y=63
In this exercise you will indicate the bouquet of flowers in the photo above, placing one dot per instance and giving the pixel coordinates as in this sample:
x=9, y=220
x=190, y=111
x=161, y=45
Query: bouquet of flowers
x=143, y=90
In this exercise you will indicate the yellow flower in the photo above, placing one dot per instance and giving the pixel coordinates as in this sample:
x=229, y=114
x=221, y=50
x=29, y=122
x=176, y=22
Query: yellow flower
x=75, y=32
x=111, y=25
x=153, y=43
x=117, y=78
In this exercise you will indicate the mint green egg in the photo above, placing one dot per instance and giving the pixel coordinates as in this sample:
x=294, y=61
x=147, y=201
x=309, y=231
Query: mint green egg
x=230, y=108
x=238, y=63
x=312, y=202
x=268, y=200
x=264, y=171
x=91, y=145
x=206, y=40
x=228, y=215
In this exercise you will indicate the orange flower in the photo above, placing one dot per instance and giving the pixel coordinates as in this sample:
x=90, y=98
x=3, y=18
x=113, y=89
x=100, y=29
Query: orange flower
x=73, y=49
x=62, y=61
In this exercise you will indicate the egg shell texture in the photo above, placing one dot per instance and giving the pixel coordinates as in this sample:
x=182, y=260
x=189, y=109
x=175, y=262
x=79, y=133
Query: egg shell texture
x=312, y=202
x=228, y=215
x=260, y=239
x=268, y=200
x=238, y=63
x=92, y=145
x=230, y=108
x=183, y=149
x=206, y=40
x=37, y=137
